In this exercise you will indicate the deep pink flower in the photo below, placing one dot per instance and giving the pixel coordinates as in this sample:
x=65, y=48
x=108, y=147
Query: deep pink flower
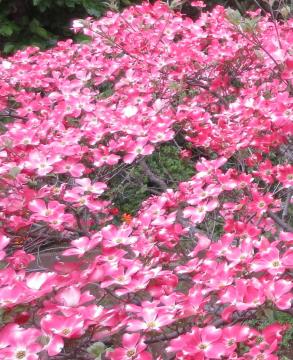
x=19, y=343
x=67, y=327
x=202, y=342
x=4, y=241
x=154, y=318
x=133, y=349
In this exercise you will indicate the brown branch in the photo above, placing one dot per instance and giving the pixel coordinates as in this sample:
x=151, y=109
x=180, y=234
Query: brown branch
x=287, y=203
x=163, y=337
x=154, y=178
x=9, y=113
x=207, y=88
x=279, y=221
x=175, y=334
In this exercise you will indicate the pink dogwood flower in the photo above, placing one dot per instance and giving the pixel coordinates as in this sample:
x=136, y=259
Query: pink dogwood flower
x=19, y=343
x=204, y=343
x=67, y=327
x=133, y=349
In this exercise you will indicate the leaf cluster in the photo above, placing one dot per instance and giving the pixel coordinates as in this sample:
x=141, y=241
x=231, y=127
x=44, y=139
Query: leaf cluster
x=42, y=23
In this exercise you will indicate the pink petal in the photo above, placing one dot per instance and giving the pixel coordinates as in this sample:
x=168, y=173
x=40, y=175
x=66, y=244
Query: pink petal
x=211, y=334
x=130, y=340
x=136, y=325
x=37, y=205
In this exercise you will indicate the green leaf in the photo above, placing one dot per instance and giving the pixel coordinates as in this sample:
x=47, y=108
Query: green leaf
x=97, y=349
x=6, y=29
x=3, y=265
x=92, y=7
x=270, y=314
x=36, y=28
x=70, y=3
x=42, y=5
x=81, y=38
x=13, y=172
x=250, y=25
x=234, y=16
x=8, y=48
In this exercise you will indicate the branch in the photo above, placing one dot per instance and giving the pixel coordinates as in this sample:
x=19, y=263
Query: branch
x=207, y=88
x=174, y=334
x=163, y=337
x=288, y=311
x=10, y=113
x=280, y=222
x=287, y=203
x=154, y=178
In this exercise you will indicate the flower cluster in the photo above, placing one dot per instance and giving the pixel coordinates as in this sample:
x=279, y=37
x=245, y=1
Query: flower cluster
x=198, y=260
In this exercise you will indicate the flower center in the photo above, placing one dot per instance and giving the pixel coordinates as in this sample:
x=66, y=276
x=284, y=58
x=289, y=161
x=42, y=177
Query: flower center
x=261, y=204
x=151, y=324
x=276, y=263
x=259, y=339
x=203, y=346
x=20, y=354
x=130, y=353
x=121, y=278
x=231, y=342
x=66, y=331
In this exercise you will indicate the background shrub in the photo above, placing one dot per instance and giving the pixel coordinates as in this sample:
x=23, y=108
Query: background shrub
x=43, y=22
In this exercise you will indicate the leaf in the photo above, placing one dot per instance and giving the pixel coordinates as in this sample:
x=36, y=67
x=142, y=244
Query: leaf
x=92, y=7
x=81, y=38
x=234, y=16
x=249, y=25
x=8, y=48
x=70, y=3
x=36, y=28
x=270, y=314
x=6, y=29
x=97, y=349
x=13, y=172
x=3, y=264
x=285, y=11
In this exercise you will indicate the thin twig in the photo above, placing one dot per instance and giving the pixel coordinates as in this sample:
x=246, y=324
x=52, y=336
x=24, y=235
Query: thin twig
x=287, y=203
x=207, y=88
x=280, y=222
x=175, y=334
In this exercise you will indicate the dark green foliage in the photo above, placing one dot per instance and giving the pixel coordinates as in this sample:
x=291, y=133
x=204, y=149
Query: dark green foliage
x=131, y=186
x=42, y=22
x=269, y=316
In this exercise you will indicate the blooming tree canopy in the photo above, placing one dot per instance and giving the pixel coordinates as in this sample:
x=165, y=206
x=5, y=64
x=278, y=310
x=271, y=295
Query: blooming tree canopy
x=181, y=278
